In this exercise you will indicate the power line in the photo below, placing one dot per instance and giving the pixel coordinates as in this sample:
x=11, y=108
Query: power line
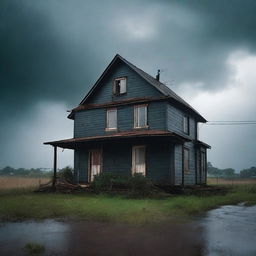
x=229, y=123
x=232, y=122
x=237, y=121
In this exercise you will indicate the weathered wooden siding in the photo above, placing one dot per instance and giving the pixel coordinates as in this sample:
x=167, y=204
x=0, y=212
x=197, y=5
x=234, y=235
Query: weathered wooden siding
x=136, y=86
x=190, y=178
x=93, y=122
x=175, y=121
x=175, y=124
x=118, y=159
x=159, y=162
x=178, y=164
x=81, y=165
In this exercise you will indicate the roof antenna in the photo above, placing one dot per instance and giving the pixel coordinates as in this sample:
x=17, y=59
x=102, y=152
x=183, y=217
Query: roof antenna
x=158, y=75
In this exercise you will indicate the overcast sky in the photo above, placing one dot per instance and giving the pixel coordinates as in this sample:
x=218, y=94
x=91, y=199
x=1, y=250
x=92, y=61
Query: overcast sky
x=52, y=52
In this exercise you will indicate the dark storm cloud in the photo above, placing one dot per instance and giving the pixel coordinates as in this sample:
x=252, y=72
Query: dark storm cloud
x=55, y=50
x=47, y=58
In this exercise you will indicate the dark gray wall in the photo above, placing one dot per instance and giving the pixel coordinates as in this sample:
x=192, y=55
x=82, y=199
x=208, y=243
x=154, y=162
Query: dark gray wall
x=93, y=122
x=81, y=165
x=175, y=121
x=117, y=158
x=136, y=86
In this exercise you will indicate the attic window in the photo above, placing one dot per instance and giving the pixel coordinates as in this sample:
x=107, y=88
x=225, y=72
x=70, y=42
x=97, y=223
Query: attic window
x=119, y=86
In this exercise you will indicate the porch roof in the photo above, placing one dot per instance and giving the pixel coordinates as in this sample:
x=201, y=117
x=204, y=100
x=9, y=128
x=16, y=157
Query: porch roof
x=202, y=144
x=74, y=142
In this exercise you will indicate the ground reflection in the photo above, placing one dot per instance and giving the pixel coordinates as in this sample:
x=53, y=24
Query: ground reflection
x=229, y=230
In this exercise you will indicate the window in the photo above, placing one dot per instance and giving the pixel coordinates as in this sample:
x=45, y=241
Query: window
x=186, y=160
x=119, y=86
x=111, y=122
x=139, y=159
x=186, y=124
x=203, y=167
x=140, y=116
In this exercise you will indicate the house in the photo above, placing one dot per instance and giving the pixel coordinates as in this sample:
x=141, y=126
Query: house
x=129, y=122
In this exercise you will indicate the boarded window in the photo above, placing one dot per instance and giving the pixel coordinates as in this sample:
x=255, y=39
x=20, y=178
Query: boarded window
x=140, y=116
x=186, y=160
x=186, y=124
x=111, y=119
x=120, y=86
x=139, y=159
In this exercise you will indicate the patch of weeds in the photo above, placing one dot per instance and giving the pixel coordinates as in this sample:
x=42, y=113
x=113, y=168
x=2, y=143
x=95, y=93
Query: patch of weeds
x=34, y=249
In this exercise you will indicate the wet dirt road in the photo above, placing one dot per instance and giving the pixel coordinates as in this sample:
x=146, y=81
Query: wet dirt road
x=229, y=230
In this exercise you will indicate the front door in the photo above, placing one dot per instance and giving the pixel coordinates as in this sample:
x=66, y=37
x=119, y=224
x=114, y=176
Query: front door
x=139, y=159
x=95, y=163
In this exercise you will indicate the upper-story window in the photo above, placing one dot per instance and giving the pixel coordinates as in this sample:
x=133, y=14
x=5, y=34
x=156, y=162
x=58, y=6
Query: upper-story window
x=186, y=124
x=111, y=119
x=120, y=86
x=140, y=116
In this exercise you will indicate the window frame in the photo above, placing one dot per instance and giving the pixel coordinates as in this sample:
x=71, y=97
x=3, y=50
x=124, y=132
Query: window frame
x=136, y=116
x=114, y=86
x=134, y=159
x=107, y=120
x=186, y=171
x=188, y=124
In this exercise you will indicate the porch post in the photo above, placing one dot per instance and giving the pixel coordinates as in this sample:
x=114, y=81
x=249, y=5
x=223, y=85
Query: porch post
x=54, y=168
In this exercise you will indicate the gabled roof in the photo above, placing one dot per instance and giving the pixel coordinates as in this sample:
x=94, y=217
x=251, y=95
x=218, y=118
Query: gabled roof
x=166, y=91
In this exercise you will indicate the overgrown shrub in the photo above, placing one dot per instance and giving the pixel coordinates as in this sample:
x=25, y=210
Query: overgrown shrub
x=140, y=185
x=137, y=185
x=109, y=181
x=66, y=173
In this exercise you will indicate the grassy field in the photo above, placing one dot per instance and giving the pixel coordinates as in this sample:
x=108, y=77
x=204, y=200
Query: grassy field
x=20, y=182
x=229, y=181
x=21, y=204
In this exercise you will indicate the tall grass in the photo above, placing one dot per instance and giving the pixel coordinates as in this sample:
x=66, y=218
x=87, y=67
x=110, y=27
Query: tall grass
x=230, y=181
x=29, y=205
x=7, y=182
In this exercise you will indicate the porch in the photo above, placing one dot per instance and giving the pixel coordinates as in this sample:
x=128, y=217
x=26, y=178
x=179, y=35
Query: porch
x=149, y=152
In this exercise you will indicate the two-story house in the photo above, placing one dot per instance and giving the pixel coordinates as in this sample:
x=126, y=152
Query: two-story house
x=130, y=122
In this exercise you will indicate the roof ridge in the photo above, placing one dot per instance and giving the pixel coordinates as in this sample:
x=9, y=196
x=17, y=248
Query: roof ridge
x=165, y=90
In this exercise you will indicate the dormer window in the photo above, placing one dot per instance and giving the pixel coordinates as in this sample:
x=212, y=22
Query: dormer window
x=120, y=86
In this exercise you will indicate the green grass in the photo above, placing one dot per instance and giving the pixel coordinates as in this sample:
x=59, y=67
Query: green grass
x=24, y=204
x=34, y=249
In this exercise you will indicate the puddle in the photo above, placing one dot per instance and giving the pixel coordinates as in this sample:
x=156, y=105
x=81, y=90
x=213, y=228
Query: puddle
x=50, y=233
x=229, y=230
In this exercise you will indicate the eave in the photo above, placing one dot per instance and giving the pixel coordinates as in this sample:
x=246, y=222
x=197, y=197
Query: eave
x=202, y=144
x=72, y=143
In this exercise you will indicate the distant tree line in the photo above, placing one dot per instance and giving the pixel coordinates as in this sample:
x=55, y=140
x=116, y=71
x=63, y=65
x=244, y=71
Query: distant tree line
x=230, y=173
x=23, y=172
x=67, y=171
